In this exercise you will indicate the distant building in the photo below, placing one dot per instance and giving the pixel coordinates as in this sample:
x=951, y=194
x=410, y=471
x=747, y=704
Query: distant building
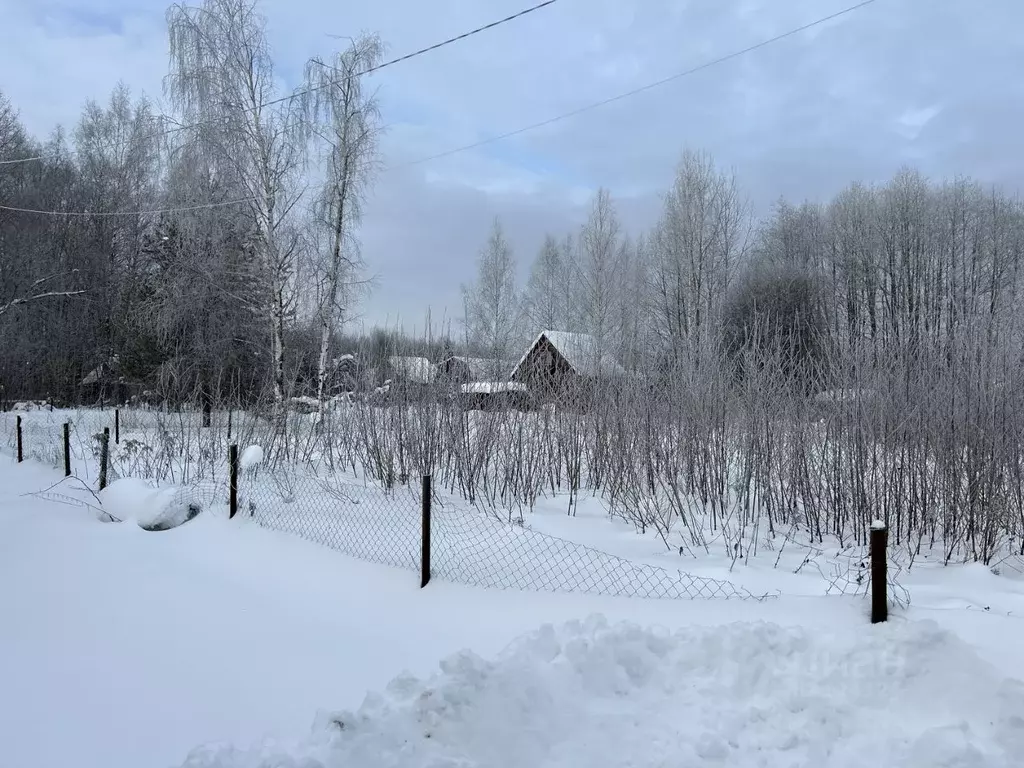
x=499, y=396
x=405, y=378
x=104, y=384
x=566, y=367
x=457, y=369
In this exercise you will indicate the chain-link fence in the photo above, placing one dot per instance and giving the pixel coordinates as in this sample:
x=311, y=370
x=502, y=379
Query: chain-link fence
x=356, y=518
x=465, y=546
x=474, y=548
x=353, y=514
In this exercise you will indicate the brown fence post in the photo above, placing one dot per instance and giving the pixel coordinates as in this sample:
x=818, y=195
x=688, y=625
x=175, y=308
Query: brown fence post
x=67, y=449
x=425, y=548
x=104, y=456
x=117, y=426
x=232, y=480
x=21, y=448
x=879, y=575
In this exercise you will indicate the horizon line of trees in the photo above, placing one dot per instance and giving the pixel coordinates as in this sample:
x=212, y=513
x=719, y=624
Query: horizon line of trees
x=253, y=297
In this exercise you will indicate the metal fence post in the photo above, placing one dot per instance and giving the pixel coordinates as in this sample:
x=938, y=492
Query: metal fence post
x=233, y=480
x=21, y=449
x=879, y=575
x=425, y=548
x=104, y=456
x=67, y=449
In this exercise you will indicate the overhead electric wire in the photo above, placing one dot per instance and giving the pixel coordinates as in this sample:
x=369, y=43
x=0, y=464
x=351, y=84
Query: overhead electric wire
x=22, y=160
x=635, y=91
x=367, y=71
x=127, y=213
x=532, y=126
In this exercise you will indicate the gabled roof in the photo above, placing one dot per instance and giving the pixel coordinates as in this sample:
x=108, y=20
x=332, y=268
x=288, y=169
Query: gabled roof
x=581, y=351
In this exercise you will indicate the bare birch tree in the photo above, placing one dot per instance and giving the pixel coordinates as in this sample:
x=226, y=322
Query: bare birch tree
x=344, y=117
x=493, y=305
x=545, y=289
x=222, y=80
x=702, y=234
x=601, y=270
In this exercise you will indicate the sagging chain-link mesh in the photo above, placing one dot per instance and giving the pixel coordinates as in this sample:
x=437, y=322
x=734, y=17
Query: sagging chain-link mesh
x=848, y=572
x=471, y=547
x=358, y=519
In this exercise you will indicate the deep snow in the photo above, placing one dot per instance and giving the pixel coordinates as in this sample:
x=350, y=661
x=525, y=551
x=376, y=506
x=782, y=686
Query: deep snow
x=123, y=648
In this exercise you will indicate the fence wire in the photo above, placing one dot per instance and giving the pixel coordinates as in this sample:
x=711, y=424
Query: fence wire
x=848, y=572
x=363, y=520
x=471, y=547
x=358, y=519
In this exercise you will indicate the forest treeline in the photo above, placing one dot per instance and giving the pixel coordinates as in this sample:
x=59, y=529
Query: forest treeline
x=244, y=284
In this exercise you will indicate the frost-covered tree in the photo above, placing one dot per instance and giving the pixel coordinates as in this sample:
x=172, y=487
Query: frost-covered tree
x=601, y=270
x=493, y=304
x=344, y=120
x=696, y=248
x=545, y=300
x=222, y=81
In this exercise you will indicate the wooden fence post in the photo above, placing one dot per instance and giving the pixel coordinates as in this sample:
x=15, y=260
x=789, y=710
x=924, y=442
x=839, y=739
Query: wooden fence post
x=21, y=448
x=232, y=480
x=879, y=574
x=67, y=449
x=425, y=548
x=104, y=456
x=117, y=426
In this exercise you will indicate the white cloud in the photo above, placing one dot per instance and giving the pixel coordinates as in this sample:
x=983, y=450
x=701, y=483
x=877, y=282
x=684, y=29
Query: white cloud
x=802, y=117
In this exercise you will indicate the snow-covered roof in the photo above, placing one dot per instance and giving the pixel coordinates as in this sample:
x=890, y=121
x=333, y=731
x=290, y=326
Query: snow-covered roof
x=418, y=370
x=581, y=351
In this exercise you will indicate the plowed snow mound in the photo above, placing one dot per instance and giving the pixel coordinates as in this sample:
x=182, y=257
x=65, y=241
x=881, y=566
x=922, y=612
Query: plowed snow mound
x=590, y=694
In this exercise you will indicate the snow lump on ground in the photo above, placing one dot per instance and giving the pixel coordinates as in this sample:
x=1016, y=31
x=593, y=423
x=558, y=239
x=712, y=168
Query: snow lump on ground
x=154, y=509
x=594, y=694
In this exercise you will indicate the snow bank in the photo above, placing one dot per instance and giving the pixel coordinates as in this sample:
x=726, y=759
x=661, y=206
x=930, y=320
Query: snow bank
x=154, y=509
x=591, y=694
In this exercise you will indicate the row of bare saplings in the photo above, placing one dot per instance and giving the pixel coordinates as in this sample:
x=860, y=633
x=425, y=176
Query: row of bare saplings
x=707, y=454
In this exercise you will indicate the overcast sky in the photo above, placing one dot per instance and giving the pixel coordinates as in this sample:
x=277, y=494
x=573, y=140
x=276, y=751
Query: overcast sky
x=934, y=83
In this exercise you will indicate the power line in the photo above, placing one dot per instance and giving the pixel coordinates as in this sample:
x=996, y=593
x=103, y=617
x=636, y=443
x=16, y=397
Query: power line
x=517, y=131
x=384, y=65
x=367, y=71
x=22, y=160
x=126, y=213
x=635, y=91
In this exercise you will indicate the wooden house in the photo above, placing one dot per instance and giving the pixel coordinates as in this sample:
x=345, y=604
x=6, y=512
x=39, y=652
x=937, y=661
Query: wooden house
x=566, y=367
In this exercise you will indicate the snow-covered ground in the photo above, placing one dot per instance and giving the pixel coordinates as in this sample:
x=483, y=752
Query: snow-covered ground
x=225, y=644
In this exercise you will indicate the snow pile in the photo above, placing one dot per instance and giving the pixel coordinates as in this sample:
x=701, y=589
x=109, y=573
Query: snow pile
x=154, y=509
x=594, y=694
